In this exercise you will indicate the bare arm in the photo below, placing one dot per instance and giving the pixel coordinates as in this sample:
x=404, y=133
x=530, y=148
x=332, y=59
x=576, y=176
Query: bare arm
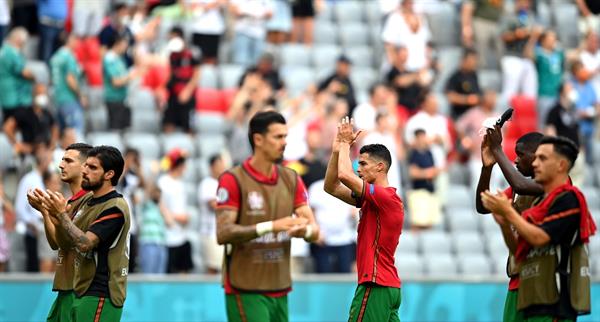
x=306, y=212
x=228, y=232
x=346, y=174
x=585, y=11
x=332, y=184
x=466, y=18
x=83, y=241
x=509, y=238
x=27, y=74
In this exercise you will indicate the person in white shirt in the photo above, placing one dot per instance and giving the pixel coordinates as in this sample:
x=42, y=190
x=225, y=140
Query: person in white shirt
x=380, y=100
x=334, y=252
x=212, y=252
x=590, y=57
x=207, y=26
x=173, y=197
x=250, y=27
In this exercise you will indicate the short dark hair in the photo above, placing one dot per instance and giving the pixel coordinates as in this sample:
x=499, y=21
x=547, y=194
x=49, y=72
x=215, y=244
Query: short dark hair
x=259, y=124
x=129, y=150
x=423, y=94
x=419, y=132
x=213, y=159
x=82, y=148
x=115, y=39
x=379, y=152
x=110, y=159
x=563, y=146
x=374, y=87
x=178, y=31
x=469, y=52
x=530, y=141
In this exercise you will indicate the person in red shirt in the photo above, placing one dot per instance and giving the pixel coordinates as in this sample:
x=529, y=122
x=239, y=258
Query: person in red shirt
x=377, y=297
x=260, y=206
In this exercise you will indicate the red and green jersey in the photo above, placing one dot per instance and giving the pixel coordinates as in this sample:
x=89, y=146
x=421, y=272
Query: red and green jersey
x=379, y=229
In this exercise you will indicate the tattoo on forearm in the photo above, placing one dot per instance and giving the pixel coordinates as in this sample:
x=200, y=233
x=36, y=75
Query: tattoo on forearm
x=229, y=232
x=78, y=237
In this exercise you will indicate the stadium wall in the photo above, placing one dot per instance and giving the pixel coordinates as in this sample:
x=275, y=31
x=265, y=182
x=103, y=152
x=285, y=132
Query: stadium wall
x=314, y=299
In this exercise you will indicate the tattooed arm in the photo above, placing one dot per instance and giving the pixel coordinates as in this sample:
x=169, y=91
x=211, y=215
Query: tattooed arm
x=83, y=241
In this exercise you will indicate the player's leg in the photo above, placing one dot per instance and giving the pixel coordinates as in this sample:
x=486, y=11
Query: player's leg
x=96, y=309
x=279, y=309
x=511, y=314
x=373, y=303
x=61, y=308
x=246, y=308
x=546, y=318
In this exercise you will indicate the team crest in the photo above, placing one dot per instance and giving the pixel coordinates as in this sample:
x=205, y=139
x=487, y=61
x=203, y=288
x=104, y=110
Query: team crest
x=255, y=200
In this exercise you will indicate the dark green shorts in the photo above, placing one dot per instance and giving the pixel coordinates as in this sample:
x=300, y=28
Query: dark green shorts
x=545, y=318
x=61, y=308
x=256, y=308
x=373, y=303
x=511, y=314
x=95, y=309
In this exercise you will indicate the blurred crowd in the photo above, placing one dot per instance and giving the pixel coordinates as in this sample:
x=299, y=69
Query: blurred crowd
x=426, y=103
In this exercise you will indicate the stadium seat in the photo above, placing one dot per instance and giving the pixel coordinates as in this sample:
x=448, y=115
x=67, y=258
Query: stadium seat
x=462, y=219
x=488, y=224
x=459, y=196
x=495, y=245
x=146, y=143
x=354, y=34
x=203, y=167
x=443, y=24
x=93, y=73
x=566, y=18
x=458, y=174
x=30, y=50
x=326, y=33
x=210, y=99
x=440, y=265
x=210, y=123
x=190, y=174
x=361, y=56
x=191, y=189
x=435, y=242
x=297, y=79
x=443, y=104
x=349, y=11
x=106, y=138
x=490, y=79
x=181, y=141
x=142, y=99
x=409, y=243
x=324, y=57
x=6, y=156
x=591, y=196
x=474, y=264
x=144, y=121
x=295, y=55
x=373, y=13
x=325, y=14
x=40, y=71
x=209, y=145
x=468, y=243
x=595, y=267
x=208, y=77
x=97, y=118
x=449, y=59
x=157, y=77
x=230, y=75
x=595, y=245
x=150, y=167
x=499, y=264
x=363, y=77
x=409, y=265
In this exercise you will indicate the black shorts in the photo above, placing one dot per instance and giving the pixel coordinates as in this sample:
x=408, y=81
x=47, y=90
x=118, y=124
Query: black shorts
x=180, y=258
x=208, y=44
x=6, y=113
x=303, y=9
x=119, y=115
x=178, y=114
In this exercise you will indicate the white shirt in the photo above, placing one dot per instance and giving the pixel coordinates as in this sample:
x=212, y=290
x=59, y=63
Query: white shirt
x=4, y=13
x=591, y=61
x=333, y=216
x=296, y=147
x=398, y=33
x=207, y=191
x=173, y=196
x=25, y=213
x=252, y=23
x=364, y=116
x=209, y=22
x=433, y=125
x=390, y=142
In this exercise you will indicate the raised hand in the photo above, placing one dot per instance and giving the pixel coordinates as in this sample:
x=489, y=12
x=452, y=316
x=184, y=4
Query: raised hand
x=494, y=137
x=55, y=203
x=497, y=203
x=346, y=132
x=487, y=157
x=288, y=223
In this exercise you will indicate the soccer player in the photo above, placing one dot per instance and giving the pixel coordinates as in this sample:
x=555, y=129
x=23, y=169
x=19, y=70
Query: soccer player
x=71, y=167
x=100, y=238
x=553, y=262
x=260, y=205
x=377, y=297
x=523, y=191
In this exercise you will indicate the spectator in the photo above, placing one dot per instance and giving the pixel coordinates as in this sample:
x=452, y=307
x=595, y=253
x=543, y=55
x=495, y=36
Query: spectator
x=24, y=15
x=407, y=84
x=562, y=121
x=423, y=204
x=46, y=254
x=386, y=133
x=549, y=62
x=518, y=72
x=469, y=126
x=174, y=197
x=67, y=81
x=462, y=88
x=116, y=80
x=588, y=18
x=340, y=84
x=313, y=167
x=380, y=100
x=250, y=25
x=36, y=124
x=29, y=218
x=185, y=76
x=590, y=57
x=304, y=12
x=480, y=21
x=52, y=15
x=4, y=22
x=267, y=70
x=15, y=78
x=212, y=252
x=118, y=27
x=87, y=17
x=586, y=107
x=280, y=25
x=6, y=224
x=334, y=252
x=405, y=28
x=153, y=225
x=207, y=27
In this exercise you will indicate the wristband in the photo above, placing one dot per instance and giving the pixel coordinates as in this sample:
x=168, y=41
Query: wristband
x=309, y=232
x=264, y=228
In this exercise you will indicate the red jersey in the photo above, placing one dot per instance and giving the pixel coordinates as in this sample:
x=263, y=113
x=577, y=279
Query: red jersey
x=228, y=196
x=379, y=229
